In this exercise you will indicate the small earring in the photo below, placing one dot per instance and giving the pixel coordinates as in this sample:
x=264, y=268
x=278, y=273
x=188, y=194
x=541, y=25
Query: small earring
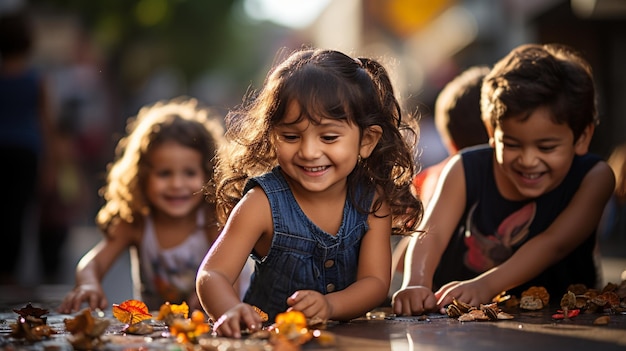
x=359, y=159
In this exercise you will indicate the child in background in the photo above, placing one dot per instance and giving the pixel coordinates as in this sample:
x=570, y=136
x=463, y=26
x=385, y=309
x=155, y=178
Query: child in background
x=155, y=206
x=317, y=177
x=459, y=124
x=522, y=211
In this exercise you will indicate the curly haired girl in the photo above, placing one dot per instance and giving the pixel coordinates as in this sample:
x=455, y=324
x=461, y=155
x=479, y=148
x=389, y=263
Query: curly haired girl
x=155, y=205
x=312, y=184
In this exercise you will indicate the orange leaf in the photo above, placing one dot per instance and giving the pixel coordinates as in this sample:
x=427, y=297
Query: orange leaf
x=291, y=318
x=131, y=311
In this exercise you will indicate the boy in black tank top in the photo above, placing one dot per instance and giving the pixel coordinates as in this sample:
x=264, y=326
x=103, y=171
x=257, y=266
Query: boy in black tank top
x=524, y=210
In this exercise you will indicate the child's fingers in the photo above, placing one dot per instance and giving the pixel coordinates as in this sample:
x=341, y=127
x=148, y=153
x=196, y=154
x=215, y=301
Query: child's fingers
x=229, y=327
x=299, y=296
x=252, y=319
x=77, y=301
x=308, y=302
x=103, y=303
x=298, y=300
x=294, y=298
x=94, y=301
x=63, y=308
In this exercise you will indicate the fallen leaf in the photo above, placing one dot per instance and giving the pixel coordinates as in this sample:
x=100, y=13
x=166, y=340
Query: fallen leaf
x=131, y=311
x=29, y=310
x=570, y=314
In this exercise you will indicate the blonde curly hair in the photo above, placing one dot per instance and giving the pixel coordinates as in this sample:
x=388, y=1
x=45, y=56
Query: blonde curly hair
x=182, y=120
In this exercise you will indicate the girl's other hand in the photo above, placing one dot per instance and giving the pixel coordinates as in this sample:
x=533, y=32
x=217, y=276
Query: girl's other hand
x=230, y=323
x=312, y=303
x=92, y=294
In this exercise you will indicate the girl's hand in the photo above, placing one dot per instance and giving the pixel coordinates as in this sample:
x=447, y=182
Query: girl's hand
x=230, y=323
x=92, y=294
x=312, y=303
x=470, y=292
x=414, y=301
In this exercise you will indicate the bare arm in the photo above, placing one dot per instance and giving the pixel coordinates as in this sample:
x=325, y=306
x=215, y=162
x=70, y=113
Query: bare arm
x=248, y=222
x=91, y=270
x=567, y=232
x=424, y=251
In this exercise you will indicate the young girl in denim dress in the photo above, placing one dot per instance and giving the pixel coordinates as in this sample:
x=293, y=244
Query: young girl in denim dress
x=316, y=180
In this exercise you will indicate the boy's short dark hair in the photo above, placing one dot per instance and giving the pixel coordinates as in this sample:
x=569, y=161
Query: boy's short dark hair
x=534, y=75
x=457, y=109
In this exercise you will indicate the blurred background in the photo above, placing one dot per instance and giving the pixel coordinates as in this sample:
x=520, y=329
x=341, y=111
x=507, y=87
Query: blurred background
x=106, y=58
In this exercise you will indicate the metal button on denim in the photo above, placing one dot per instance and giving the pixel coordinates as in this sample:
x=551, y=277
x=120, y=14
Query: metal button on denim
x=330, y=287
x=329, y=263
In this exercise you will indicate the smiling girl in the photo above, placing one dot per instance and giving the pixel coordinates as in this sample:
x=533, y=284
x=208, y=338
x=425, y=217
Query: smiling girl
x=316, y=180
x=156, y=207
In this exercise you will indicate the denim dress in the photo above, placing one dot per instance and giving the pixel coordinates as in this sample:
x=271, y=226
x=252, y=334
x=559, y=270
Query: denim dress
x=302, y=256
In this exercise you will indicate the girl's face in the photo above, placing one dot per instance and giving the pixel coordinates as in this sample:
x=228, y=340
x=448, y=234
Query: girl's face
x=316, y=157
x=175, y=179
x=533, y=156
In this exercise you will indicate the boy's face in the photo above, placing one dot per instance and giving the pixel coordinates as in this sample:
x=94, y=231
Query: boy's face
x=533, y=156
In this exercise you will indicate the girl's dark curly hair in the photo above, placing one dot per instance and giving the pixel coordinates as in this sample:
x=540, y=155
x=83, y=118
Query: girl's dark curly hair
x=326, y=84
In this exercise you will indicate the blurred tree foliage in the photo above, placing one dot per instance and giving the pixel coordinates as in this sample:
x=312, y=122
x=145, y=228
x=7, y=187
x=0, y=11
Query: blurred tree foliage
x=195, y=36
x=191, y=33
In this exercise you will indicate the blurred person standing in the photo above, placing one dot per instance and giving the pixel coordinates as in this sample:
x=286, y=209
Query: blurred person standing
x=24, y=135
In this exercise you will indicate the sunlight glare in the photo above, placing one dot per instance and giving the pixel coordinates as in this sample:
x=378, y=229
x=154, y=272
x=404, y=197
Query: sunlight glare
x=289, y=13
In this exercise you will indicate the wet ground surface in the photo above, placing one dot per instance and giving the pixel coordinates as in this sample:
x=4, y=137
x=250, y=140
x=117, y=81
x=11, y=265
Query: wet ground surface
x=535, y=331
x=528, y=330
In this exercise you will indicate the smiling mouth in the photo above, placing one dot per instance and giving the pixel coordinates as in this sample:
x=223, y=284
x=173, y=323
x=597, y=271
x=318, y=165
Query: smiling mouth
x=177, y=198
x=315, y=169
x=531, y=176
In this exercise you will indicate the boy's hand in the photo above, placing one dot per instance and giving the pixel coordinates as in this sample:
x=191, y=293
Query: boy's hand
x=312, y=303
x=230, y=323
x=413, y=301
x=92, y=294
x=471, y=292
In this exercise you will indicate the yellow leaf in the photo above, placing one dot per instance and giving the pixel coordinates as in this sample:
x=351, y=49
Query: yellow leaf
x=183, y=309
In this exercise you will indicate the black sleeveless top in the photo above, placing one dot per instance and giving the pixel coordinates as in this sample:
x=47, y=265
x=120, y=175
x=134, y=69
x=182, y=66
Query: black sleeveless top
x=493, y=228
